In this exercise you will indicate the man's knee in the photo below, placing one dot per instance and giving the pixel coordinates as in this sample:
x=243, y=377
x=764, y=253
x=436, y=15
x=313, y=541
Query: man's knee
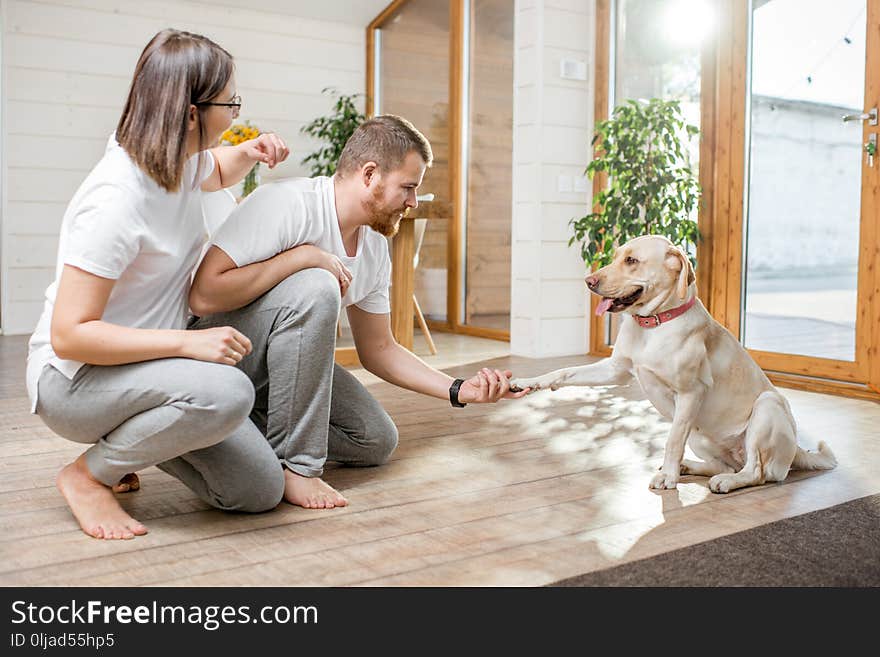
x=258, y=495
x=382, y=436
x=315, y=291
x=264, y=495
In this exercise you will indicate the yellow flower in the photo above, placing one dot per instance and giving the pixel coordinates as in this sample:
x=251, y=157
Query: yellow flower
x=238, y=133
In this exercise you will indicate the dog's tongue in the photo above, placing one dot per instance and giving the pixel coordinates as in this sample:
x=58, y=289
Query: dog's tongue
x=604, y=305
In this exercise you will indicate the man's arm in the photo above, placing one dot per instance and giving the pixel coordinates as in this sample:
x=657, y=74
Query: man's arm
x=221, y=286
x=380, y=354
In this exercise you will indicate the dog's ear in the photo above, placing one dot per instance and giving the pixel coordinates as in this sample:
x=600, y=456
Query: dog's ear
x=683, y=266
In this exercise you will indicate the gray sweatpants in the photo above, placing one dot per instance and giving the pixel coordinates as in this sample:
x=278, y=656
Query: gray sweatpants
x=187, y=416
x=309, y=408
x=202, y=423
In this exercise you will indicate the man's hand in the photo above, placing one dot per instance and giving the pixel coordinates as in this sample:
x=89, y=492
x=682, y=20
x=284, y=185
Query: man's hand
x=268, y=148
x=331, y=263
x=488, y=386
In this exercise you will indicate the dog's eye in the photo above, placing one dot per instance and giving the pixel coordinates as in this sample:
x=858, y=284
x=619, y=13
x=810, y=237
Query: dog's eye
x=631, y=261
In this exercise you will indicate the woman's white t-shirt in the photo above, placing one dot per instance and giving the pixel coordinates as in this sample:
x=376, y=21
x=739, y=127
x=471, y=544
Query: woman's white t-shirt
x=281, y=215
x=123, y=226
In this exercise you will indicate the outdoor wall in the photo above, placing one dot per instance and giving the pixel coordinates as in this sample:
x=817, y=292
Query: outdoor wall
x=553, y=119
x=805, y=181
x=66, y=67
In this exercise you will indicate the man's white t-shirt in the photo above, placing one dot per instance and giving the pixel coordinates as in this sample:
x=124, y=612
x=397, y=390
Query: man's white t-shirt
x=279, y=216
x=123, y=226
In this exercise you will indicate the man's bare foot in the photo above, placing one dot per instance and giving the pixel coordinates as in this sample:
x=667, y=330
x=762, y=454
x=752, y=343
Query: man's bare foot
x=128, y=484
x=311, y=492
x=93, y=504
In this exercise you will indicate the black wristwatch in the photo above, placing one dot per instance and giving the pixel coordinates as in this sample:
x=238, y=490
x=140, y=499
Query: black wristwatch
x=453, y=393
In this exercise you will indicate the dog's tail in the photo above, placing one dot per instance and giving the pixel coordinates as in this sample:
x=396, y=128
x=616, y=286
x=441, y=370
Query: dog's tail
x=823, y=459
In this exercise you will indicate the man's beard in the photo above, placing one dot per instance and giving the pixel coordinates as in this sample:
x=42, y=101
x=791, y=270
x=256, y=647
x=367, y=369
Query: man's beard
x=381, y=220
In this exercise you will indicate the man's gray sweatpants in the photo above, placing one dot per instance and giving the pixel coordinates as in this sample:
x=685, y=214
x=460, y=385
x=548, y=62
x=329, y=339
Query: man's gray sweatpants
x=309, y=408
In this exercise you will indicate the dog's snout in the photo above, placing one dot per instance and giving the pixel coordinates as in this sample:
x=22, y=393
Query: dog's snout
x=592, y=281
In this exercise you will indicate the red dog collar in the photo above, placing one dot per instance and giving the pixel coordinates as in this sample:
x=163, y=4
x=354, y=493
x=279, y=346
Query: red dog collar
x=653, y=321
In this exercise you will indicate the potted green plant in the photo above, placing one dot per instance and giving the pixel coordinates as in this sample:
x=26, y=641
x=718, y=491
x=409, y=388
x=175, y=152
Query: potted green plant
x=652, y=188
x=333, y=130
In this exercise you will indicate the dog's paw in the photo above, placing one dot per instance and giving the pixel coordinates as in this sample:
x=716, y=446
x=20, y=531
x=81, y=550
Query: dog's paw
x=663, y=480
x=517, y=385
x=547, y=382
x=721, y=483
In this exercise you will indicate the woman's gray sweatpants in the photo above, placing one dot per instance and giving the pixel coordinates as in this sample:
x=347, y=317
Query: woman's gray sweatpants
x=188, y=417
x=201, y=422
x=309, y=408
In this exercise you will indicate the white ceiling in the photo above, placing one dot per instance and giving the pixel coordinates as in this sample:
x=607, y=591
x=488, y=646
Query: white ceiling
x=354, y=12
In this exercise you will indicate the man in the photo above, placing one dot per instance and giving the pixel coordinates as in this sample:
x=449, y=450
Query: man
x=266, y=274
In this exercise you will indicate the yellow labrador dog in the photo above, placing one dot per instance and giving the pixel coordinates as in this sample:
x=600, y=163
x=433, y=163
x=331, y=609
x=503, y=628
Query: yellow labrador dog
x=694, y=372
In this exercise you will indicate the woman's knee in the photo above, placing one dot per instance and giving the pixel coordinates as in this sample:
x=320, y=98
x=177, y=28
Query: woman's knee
x=224, y=394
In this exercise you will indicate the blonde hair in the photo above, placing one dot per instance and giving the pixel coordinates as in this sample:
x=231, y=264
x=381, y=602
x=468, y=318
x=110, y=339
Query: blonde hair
x=176, y=69
x=386, y=140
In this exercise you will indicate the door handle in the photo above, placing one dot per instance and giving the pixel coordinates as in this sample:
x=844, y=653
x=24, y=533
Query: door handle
x=870, y=116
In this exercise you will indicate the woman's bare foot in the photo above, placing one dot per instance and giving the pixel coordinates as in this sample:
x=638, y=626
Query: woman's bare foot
x=311, y=492
x=128, y=484
x=93, y=504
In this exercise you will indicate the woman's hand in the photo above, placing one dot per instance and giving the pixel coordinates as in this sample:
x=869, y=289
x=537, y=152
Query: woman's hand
x=217, y=345
x=488, y=386
x=268, y=148
x=331, y=263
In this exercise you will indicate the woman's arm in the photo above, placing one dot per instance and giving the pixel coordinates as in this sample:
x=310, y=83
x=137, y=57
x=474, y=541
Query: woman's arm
x=78, y=332
x=232, y=163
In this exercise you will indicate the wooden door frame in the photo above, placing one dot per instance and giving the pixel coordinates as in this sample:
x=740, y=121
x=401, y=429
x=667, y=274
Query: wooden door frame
x=724, y=86
x=457, y=195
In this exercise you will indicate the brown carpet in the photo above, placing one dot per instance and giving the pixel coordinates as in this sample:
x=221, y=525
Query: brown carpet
x=837, y=546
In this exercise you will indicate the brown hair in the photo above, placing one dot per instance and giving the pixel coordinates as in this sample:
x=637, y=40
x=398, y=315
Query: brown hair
x=385, y=140
x=175, y=70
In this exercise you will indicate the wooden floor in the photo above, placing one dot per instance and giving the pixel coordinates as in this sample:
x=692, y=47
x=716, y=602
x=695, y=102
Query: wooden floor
x=519, y=493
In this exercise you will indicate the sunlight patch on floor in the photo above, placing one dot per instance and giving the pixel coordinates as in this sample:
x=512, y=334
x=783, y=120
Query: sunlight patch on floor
x=628, y=517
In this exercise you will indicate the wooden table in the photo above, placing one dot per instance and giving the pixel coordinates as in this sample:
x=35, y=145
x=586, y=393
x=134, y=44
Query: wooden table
x=403, y=282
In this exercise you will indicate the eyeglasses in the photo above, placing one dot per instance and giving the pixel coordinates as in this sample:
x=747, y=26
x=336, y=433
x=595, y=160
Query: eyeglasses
x=235, y=104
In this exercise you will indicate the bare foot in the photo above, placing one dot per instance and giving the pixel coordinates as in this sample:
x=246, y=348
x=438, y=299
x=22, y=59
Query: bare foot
x=128, y=484
x=311, y=492
x=93, y=504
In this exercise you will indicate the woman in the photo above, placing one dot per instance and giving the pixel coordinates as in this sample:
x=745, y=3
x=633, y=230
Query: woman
x=110, y=362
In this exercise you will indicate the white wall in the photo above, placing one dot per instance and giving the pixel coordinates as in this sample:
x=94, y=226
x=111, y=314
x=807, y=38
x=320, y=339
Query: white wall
x=553, y=119
x=66, y=67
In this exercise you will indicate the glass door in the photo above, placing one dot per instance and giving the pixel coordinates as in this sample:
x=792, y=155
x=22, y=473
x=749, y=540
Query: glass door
x=654, y=50
x=488, y=165
x=810, y=210
x=412, y=54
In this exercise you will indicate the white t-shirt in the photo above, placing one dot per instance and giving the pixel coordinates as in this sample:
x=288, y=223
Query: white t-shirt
x=123, y=226
x=279, y=216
